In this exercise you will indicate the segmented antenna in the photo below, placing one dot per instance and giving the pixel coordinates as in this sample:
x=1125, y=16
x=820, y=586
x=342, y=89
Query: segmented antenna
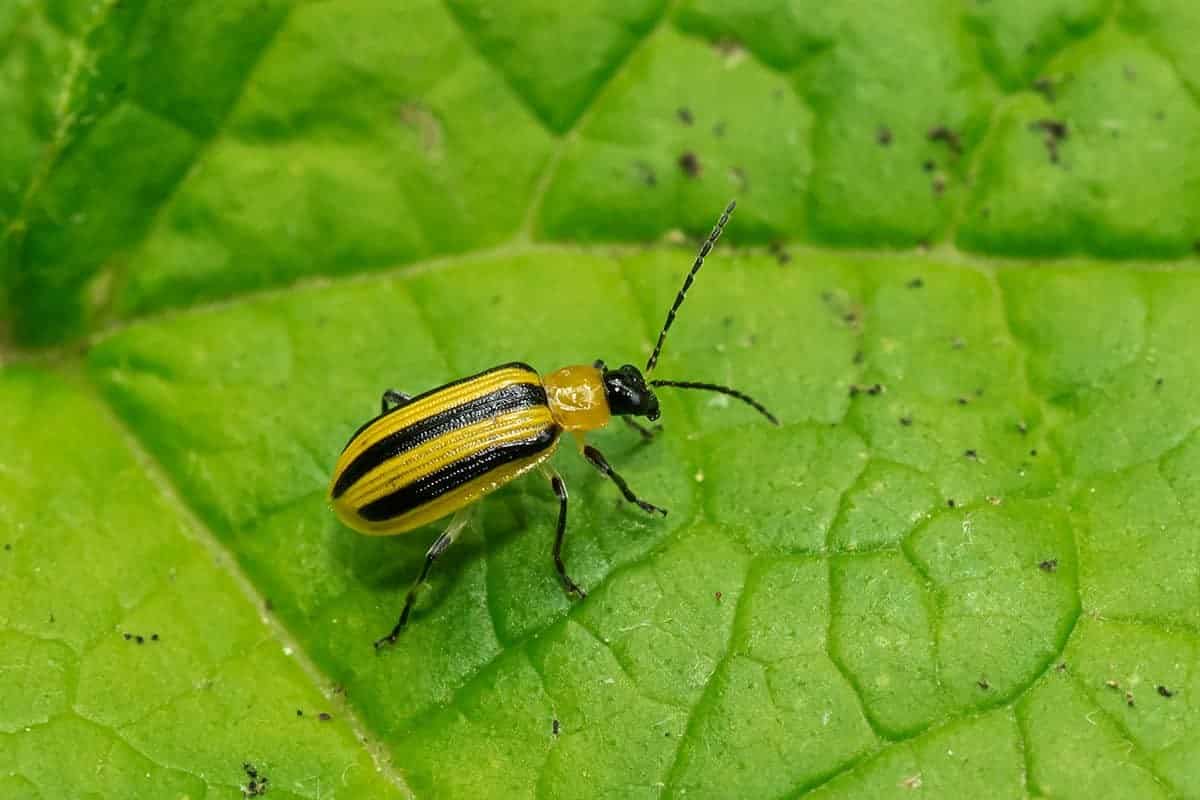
x=705, y=249
x=713, y=387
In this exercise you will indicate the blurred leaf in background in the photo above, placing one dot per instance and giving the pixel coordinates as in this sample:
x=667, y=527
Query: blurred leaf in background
x=962, y=271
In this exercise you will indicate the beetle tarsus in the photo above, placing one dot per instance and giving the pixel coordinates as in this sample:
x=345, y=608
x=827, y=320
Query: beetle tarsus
x=650, y=508
x=571, y=586
x=390, y=639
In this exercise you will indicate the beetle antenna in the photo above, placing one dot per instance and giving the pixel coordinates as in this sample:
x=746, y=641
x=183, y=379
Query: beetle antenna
x=712, y=387
x=705, y=249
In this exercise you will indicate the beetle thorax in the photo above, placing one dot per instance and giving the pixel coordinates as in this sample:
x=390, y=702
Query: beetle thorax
x=576, y=398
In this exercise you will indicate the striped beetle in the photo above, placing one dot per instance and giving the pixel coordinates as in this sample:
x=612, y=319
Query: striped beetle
x=432, y=455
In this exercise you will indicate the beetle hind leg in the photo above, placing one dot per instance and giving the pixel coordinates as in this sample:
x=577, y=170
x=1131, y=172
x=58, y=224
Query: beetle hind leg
x=439, y=546
x=397, y=399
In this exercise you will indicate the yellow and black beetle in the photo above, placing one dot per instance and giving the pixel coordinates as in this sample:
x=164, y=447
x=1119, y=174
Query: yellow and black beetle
x=434, y=454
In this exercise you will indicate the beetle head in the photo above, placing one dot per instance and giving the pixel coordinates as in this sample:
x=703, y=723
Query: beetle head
x=628, y=394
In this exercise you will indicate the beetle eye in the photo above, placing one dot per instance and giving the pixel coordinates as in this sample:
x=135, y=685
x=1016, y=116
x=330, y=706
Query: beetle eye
x=633, y=377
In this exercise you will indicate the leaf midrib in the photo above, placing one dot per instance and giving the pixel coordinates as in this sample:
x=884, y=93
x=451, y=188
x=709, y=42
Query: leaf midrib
x=225, y=560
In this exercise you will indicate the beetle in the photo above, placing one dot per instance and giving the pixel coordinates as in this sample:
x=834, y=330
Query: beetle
x=428, y=456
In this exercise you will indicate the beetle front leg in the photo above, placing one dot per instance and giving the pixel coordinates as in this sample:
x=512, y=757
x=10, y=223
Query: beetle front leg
x=599, y=462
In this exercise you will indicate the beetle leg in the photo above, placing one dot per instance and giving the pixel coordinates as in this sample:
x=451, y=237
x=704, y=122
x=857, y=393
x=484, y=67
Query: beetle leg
x=392, y=396
x=560, y=489
x=647, y=433
x=439, y=546
x=599, y=462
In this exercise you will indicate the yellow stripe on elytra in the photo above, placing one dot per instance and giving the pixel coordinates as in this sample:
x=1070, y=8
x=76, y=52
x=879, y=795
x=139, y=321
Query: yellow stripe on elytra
x=451, y=501
x=435, y=403
x=515, y=426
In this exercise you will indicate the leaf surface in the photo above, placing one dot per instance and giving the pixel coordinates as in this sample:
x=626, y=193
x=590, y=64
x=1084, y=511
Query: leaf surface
x=967, y=563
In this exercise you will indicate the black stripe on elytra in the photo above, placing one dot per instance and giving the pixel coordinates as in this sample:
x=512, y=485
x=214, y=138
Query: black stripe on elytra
x=506, y=399
x=450, y=477
x=510, y=365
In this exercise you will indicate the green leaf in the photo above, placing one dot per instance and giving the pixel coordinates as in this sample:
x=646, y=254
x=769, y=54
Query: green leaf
x=134, y=662
x=968, y=563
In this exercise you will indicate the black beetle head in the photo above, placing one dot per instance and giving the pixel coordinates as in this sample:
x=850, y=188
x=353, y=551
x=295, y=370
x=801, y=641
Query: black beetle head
x=628, y=394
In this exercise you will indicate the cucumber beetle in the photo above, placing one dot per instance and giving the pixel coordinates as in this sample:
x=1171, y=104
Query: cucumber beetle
x=429, y=456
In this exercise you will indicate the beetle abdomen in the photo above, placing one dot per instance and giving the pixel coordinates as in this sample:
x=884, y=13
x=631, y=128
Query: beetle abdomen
x=443, y=450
